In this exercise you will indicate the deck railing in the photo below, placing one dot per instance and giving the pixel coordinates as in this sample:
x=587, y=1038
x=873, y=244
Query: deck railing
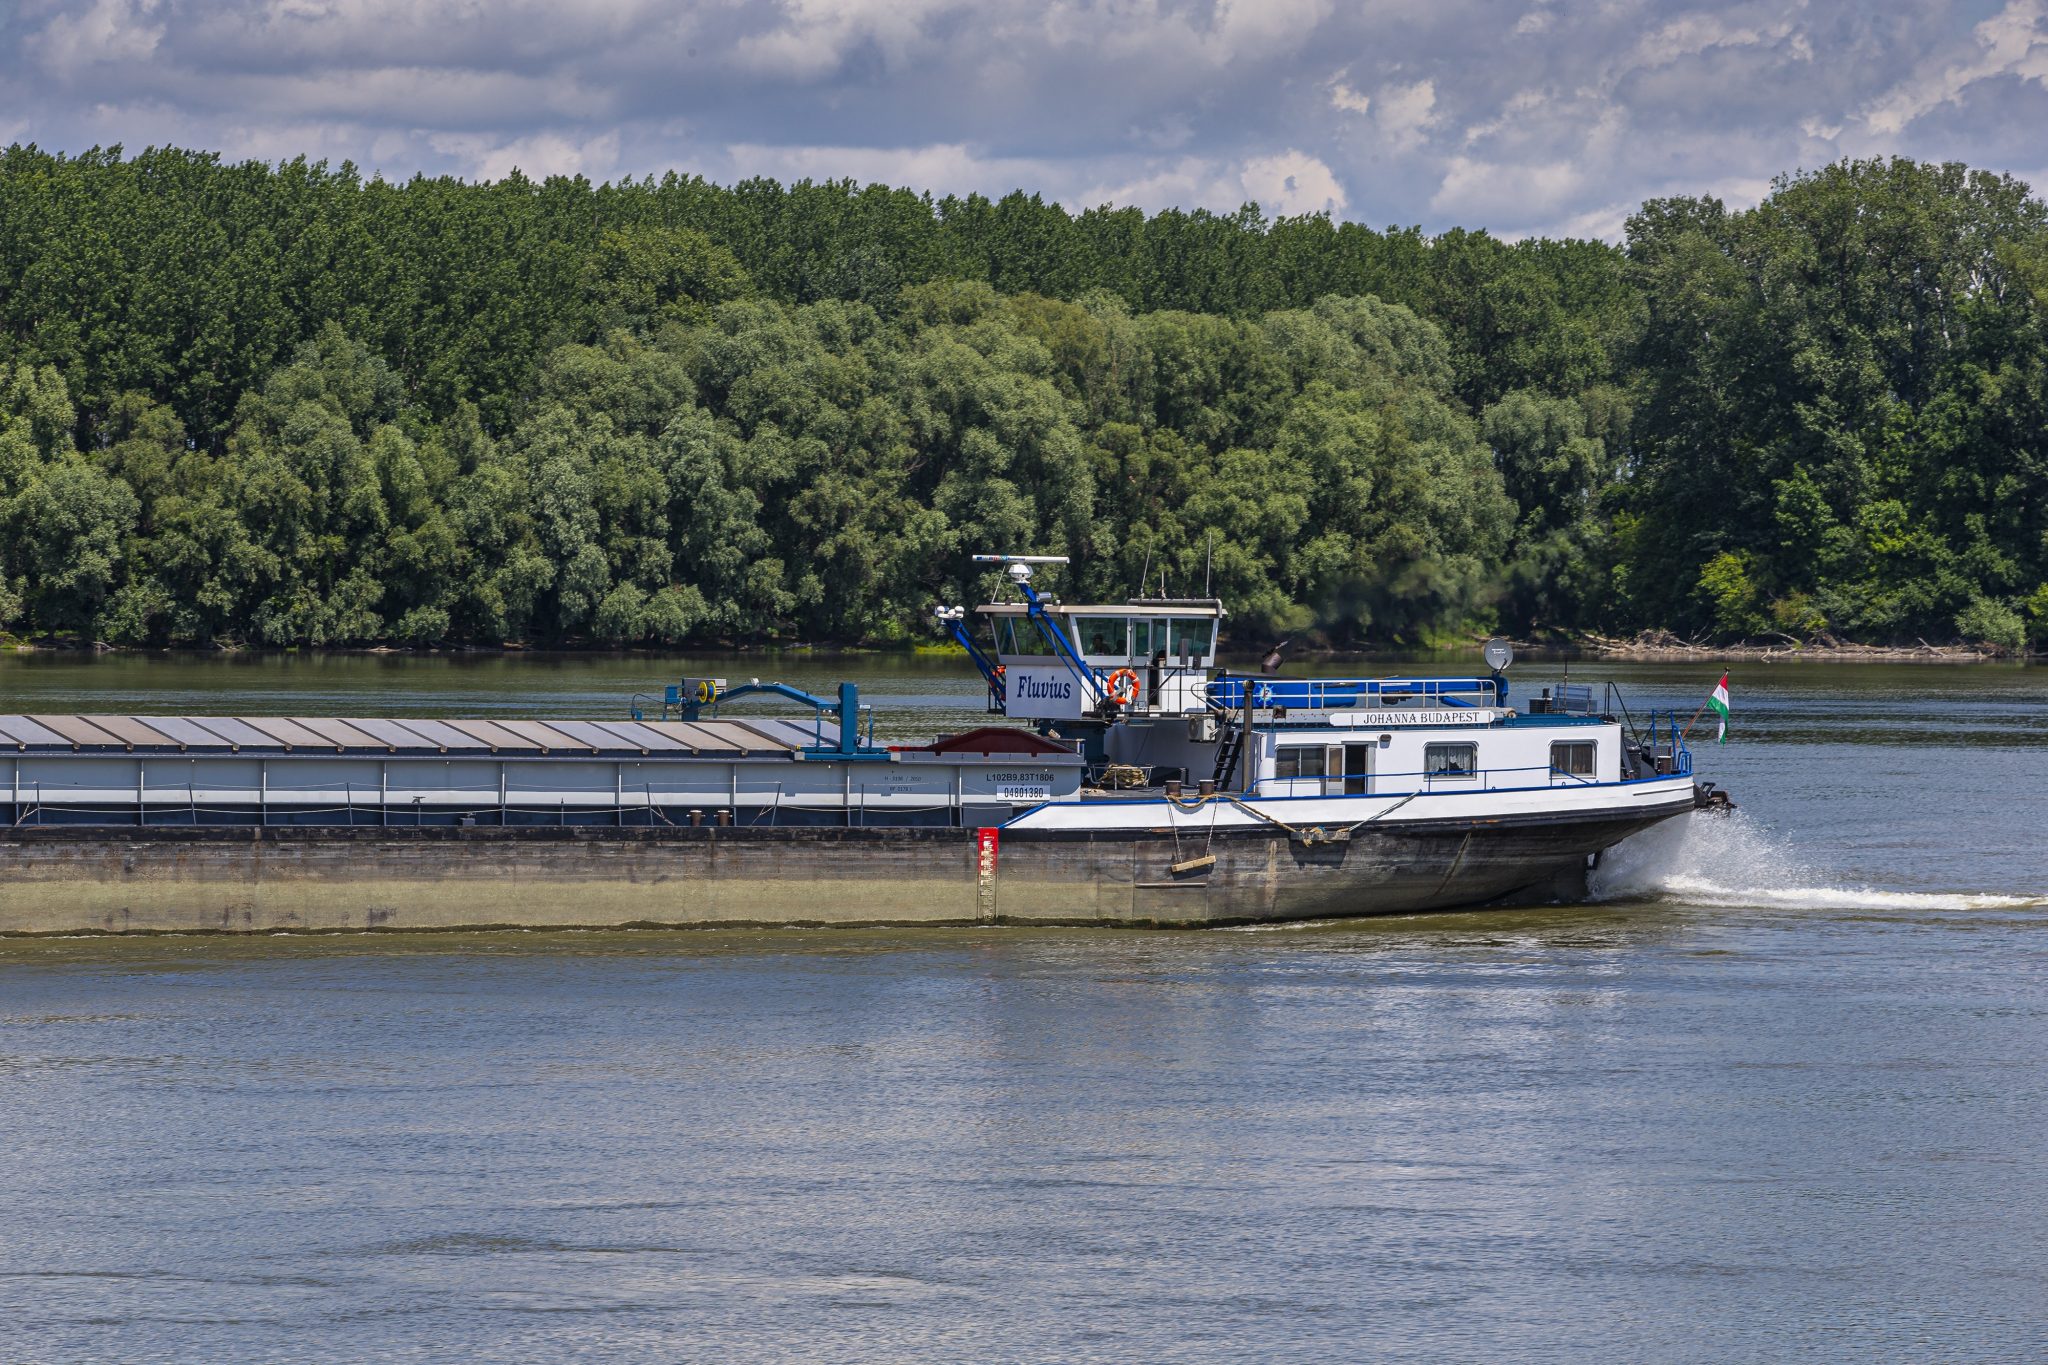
x=1663, y=742
x=1341, y=694
x=1526, y=778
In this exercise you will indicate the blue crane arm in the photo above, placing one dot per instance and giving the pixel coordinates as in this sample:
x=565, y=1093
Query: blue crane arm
x=848, y=707
x=1061, y=646
x=975, y=652
x=694, y=710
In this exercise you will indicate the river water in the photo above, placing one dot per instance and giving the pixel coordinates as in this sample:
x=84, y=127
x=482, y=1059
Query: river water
x=1782, y=1091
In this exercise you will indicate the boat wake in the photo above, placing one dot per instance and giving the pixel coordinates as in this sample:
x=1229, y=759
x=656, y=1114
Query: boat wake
x=1731, y=861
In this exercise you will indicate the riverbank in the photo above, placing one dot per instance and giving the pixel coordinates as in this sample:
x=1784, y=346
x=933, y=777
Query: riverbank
x=1663, y=647
x=1648, y=647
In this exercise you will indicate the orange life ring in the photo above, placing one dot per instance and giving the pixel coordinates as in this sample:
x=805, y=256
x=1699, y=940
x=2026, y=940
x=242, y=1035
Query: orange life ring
x=1123, y=687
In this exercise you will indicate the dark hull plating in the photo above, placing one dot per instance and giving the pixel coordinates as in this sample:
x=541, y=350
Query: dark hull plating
x=84, y=879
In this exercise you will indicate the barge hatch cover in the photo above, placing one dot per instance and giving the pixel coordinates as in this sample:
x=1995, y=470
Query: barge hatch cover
x=546, y=736
x=445, y=736
x=22, y=732
x=76, y=730
x=234, y=733
x=285, y=734
x=340, y=733
x=493, y=737
x=186, y=733
x=642, y=736
x=133, y=732
x=393, y=734
x=749, y=738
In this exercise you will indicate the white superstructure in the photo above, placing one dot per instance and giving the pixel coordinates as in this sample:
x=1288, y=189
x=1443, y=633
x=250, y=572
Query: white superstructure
x=1134, y=688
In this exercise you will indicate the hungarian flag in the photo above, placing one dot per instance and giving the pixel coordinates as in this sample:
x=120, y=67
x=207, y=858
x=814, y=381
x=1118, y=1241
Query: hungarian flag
x=1719, y=701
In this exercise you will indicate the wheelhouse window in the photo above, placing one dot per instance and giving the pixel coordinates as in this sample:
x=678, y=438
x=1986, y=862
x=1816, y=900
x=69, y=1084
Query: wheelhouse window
x=1020, y=635
x=1574, y=758
x=1102, y=635
x=1300, y=760
x=1450, y=760
x=1189, y=636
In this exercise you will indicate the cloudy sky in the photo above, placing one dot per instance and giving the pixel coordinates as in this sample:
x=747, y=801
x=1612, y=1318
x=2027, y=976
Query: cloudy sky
x=1521, y=116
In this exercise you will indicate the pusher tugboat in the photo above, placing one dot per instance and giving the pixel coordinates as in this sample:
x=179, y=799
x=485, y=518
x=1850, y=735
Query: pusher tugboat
x=1317, y=797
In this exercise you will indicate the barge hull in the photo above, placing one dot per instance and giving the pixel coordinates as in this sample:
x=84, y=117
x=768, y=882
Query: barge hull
x=81, y=880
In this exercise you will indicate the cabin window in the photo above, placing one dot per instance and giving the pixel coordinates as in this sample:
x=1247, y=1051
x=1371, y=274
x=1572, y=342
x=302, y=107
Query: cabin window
x=1192, y=634
x=1450, y=760
x=1574, y=758
x=1300, y=760
x=1101, y=635
x=1020, y=635
x=1141, y=639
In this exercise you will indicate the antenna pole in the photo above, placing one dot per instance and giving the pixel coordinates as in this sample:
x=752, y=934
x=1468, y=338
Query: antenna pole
x=1208, y=563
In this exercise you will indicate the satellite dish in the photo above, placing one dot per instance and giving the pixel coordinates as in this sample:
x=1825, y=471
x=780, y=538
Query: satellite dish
x=1498, y=654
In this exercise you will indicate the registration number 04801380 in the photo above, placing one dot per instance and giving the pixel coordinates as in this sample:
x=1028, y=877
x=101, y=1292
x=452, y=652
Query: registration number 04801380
x=1021, y=784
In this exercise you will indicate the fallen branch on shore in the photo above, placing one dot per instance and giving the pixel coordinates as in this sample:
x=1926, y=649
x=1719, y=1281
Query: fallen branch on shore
x=1662, y=644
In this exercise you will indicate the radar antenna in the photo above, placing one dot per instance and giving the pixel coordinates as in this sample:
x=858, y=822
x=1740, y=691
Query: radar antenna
x=1020, y=567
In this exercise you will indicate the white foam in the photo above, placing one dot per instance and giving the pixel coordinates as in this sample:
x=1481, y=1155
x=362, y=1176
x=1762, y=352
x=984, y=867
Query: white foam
x=1703, y=891
x=1730, y=860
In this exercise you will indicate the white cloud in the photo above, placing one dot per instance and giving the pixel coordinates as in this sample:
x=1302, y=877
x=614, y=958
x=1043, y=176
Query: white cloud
x=1292, y=182
x=1137, y=32
x=1406, y=112
x=239, y=140
x=820, y=34
x=1516, y=113
x=1168, y=134
x=1160, y=37
x=2012, y=43
x=106, y=31
x=1607, y=223
x=1523, y=117
x=294, y=36
x=942, y=167
x=1284, y=183
x=415, y=96
x=1480, y=191
x=1692, y=34
x=539, y=156
x=1187, y=182
x=1739, y=192
x=1350, y=101
x=1253, y=28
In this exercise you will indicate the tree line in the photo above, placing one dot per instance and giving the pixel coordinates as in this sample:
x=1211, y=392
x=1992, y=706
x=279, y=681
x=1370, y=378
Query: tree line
x=284, y=404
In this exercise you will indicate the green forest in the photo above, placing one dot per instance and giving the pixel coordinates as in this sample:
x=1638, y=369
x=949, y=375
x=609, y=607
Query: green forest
x=276, y=405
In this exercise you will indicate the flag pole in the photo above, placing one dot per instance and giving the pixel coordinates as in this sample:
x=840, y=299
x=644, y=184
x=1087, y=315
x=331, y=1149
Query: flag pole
x=1694, y=721
x=1686, y=733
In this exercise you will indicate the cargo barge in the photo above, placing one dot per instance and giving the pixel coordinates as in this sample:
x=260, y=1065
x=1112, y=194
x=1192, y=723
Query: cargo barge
x=1144, y=788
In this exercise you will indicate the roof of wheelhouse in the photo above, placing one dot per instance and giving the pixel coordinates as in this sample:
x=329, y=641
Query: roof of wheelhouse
x=1192, y=608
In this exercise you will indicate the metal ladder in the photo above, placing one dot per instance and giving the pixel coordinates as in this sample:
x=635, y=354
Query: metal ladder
x=1228, y=745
